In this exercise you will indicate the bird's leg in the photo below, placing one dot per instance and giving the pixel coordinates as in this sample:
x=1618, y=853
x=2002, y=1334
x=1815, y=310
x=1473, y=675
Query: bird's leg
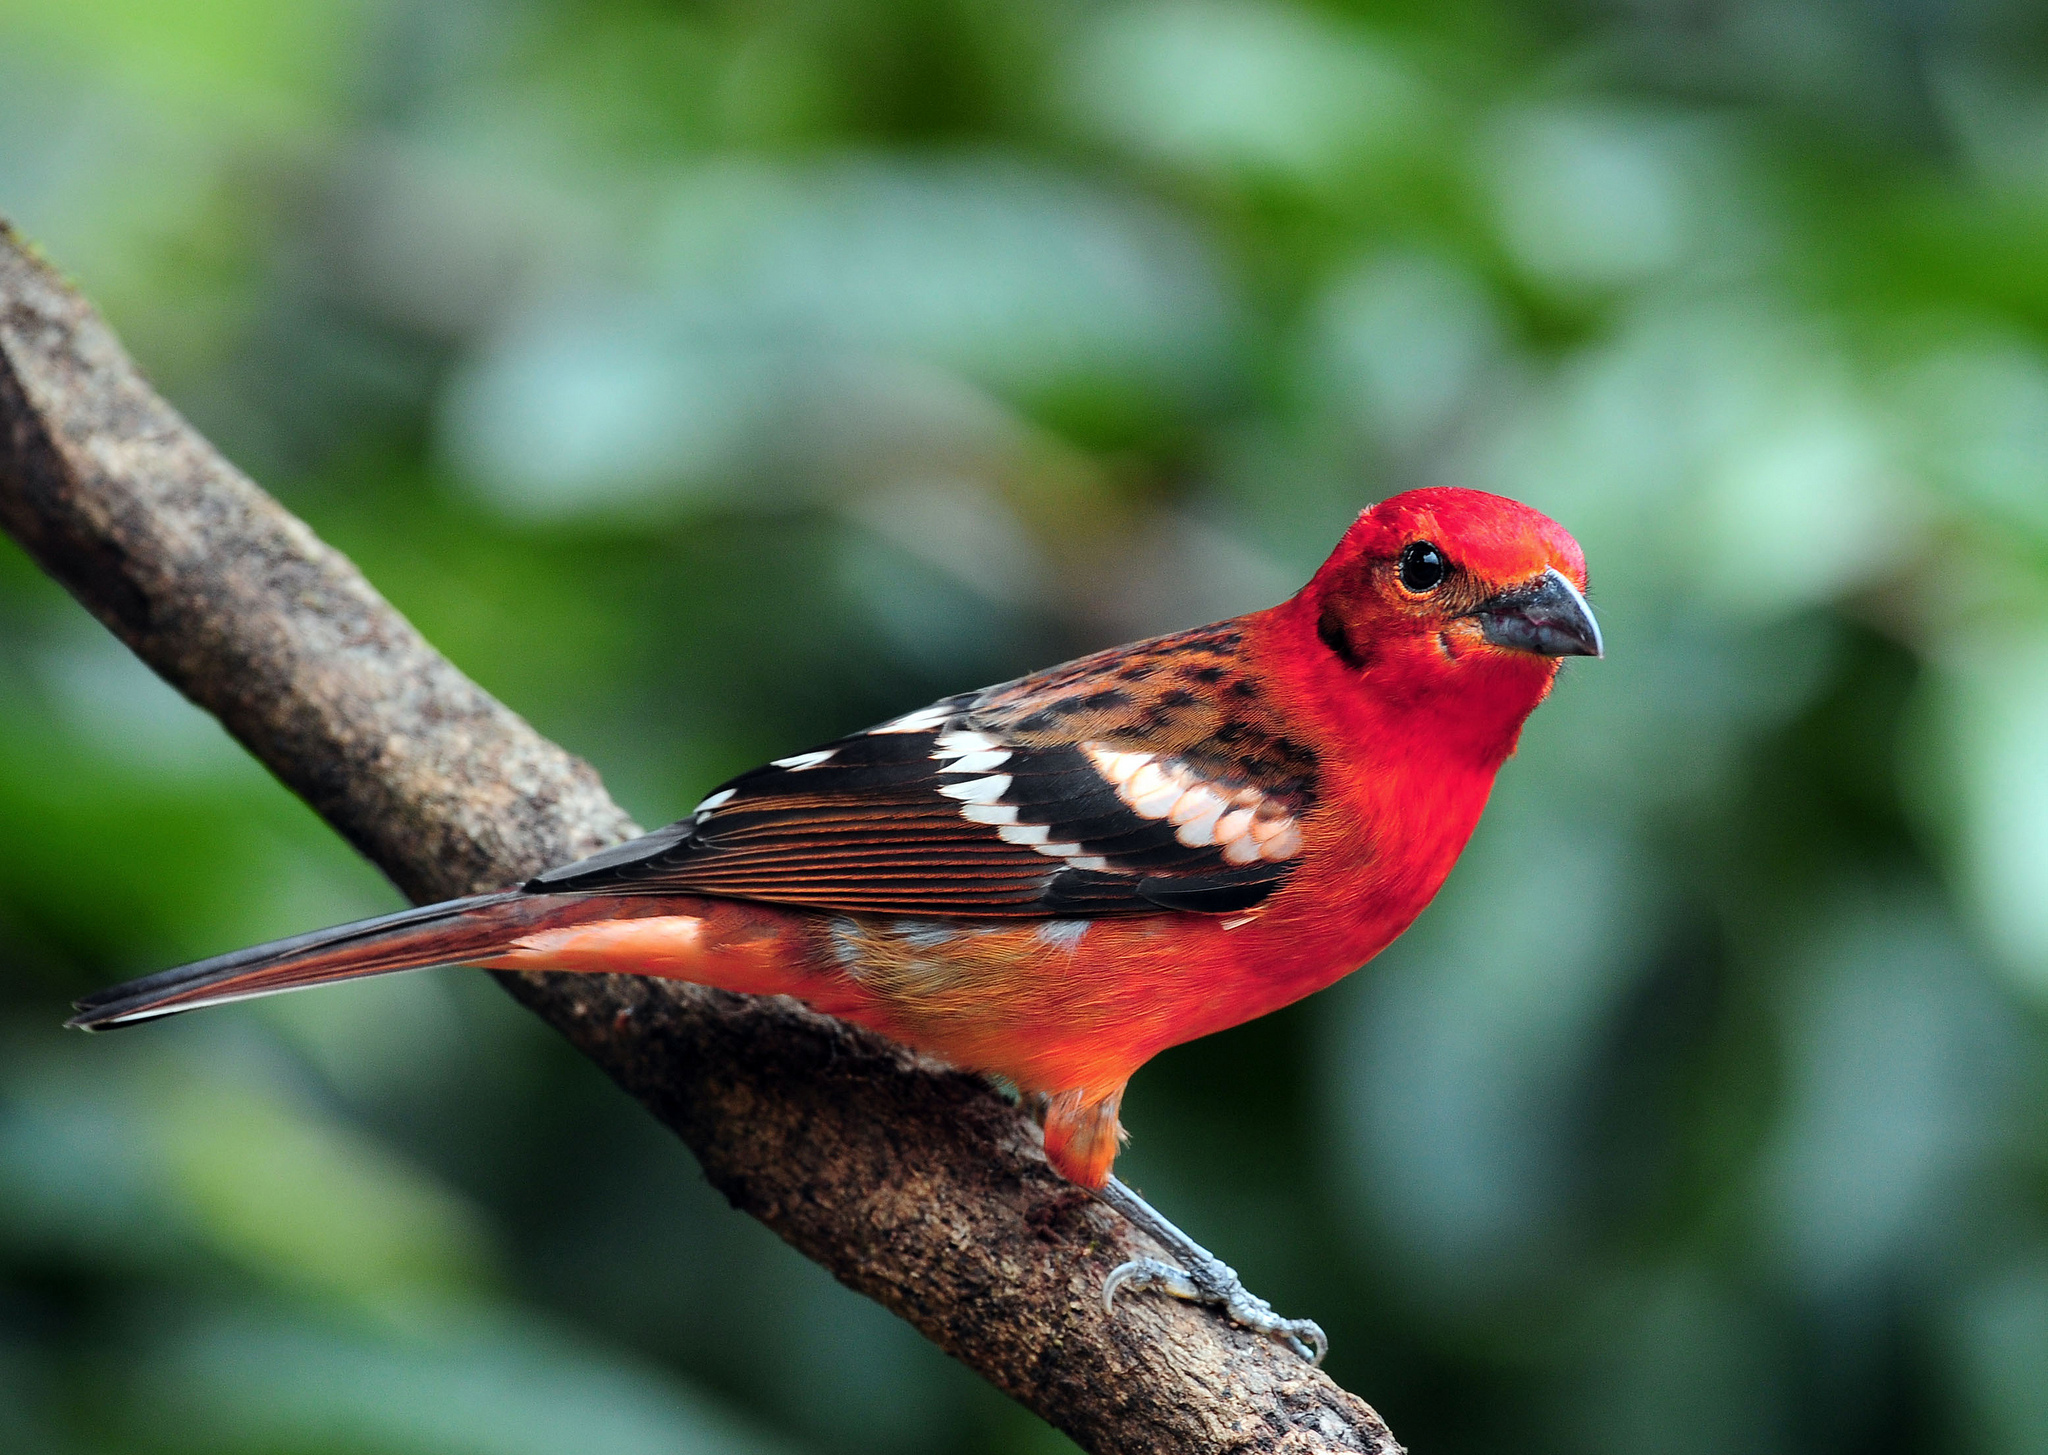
x=1081, y=1137
x=1202, y=1278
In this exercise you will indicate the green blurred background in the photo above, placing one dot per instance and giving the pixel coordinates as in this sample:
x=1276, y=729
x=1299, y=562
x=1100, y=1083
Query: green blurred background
x=711, y=379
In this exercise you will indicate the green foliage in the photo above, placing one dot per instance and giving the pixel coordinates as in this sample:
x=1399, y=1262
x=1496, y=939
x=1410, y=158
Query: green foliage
x=709, y=379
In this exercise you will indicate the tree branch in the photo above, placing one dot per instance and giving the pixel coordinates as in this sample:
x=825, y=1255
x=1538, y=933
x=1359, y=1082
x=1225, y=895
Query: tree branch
x=915, y=1185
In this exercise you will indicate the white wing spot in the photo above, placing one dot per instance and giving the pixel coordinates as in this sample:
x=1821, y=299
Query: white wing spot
x=951, y=745
x=1198, y=833
x=1116, y=767
x=716, y=800
x=1058, y=851
x=977, y=762
x=1233, y=825
x=923, y=720
x=1283, y=845
x=1027, y=833
x=979, y=790
x=1241, y=851
x=1201, y=801
x=1159, y=802
x=989, y=813
x=801, y=761
x=1144, y=781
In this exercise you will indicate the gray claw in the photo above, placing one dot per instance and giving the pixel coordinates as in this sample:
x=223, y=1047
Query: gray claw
x=1207, y=1280
x=1144, y=1274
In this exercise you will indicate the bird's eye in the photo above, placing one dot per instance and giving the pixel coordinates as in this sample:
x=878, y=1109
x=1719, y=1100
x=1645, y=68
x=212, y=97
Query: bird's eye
x=1422, y=567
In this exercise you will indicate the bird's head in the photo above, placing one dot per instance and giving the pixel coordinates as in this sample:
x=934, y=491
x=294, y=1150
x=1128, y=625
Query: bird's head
x=1446, y=591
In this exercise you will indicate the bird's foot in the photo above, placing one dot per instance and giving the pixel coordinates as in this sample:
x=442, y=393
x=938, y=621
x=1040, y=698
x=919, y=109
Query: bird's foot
x=1216, y=1285
x=1205, y=1279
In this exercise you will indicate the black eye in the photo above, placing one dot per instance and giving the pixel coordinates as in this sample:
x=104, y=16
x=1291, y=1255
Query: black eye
x=1422, y=567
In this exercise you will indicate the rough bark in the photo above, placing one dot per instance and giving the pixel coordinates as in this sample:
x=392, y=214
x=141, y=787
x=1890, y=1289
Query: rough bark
x=916, y=1185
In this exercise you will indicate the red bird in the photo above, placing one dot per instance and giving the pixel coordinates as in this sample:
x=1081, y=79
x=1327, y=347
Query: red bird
x=1055, y=879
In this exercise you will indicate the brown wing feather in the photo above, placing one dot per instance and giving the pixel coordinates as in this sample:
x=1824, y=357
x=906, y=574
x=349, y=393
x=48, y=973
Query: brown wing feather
x=1128, y=782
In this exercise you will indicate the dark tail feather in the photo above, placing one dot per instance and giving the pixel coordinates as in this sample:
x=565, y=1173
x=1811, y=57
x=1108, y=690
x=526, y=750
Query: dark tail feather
x=437, y=934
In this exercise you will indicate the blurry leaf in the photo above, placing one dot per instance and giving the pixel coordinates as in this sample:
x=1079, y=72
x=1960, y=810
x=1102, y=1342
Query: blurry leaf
x=1180, y=569
x=110, y=700
x=76, y=1168
x=1601, y=197
x=939, y=622
x=1899, y=1071
x=1400, y=345
x=1807, y=508
x=1017, y=274
x=1236, y=85
x=2001, y=1346
x=24, y=1396
x=302, y=1199
x=850, y=1364
x=217, y=62
x=194, y=842
x=1981, y=775
x=443, y=233
x=1681, y=1366
x=1978, y=416
x=135, y=115
x=1999, y=114
x=594, y=408
x=1455, y=1068
x=792, y=303
x=485, y=1386
x=386, y=1039
x=162, y=1149
x=963, y=531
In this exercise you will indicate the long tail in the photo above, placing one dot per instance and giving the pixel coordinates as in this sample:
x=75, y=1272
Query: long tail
x=726, y=943
x=452, y=933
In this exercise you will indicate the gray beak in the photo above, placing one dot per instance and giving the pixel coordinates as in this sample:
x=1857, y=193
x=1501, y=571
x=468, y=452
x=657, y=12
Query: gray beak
x=1548, y=617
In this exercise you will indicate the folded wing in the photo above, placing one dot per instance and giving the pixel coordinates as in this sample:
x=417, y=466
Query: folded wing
x=1055, y=796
